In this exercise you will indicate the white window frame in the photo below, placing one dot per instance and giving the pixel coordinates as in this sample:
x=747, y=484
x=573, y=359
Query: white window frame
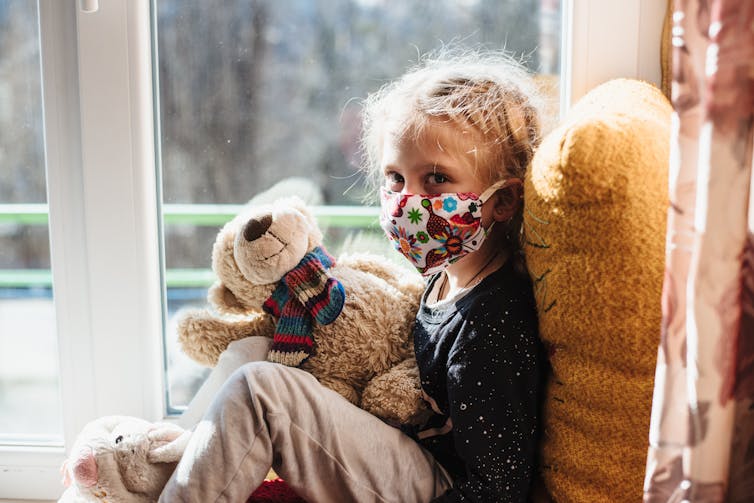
x=609, y=39
x=99, y=144
x=100, y=152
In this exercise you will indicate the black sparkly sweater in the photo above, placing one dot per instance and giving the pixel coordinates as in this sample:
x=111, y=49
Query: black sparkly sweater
x=482, y=368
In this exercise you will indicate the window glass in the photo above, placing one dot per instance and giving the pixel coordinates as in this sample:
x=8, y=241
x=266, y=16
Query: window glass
x=30, y=408
x=263, y=92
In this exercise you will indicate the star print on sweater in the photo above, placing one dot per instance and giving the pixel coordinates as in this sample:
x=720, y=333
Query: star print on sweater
x=482, y=367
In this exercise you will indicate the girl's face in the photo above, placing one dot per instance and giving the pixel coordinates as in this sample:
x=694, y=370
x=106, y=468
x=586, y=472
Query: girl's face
x=443, y=159
x=440, y=160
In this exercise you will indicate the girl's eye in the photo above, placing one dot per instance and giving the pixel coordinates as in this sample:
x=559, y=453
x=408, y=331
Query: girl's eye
x=394, y=181
x=437, y=178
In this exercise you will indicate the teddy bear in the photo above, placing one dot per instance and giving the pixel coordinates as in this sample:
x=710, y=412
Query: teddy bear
x=596, y=201
x=357, y=313
x=122, y=458
x=347, y=321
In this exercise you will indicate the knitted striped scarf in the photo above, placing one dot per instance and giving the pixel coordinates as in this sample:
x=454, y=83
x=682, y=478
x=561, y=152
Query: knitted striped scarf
x=305, y=294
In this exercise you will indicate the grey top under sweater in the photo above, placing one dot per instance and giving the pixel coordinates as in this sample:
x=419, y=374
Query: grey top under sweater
x=482, y=368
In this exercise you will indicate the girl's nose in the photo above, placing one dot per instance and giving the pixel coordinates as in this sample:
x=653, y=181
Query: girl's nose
x=412, y=187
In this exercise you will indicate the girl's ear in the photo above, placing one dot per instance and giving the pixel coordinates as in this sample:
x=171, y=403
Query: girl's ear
x=507, y=201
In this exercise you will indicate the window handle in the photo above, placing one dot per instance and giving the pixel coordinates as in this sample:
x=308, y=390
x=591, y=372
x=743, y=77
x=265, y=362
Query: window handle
x=89, y=6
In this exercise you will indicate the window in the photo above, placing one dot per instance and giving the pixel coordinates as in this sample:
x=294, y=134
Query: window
x=30, y=408
x=264, y=93
x=99, y=145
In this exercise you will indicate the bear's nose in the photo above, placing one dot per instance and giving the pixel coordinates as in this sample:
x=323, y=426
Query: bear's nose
x=256, y=227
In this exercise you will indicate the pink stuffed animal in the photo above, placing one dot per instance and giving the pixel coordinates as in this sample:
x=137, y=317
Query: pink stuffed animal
x=121, y=458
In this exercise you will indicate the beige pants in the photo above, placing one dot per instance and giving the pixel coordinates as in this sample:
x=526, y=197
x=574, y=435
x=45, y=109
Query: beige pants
x=248, y=349
x=268, y=415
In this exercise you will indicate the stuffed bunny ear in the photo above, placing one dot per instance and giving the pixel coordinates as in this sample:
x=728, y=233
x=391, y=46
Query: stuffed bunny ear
x=65, y=473
x=167, y=444
x=225, y=300
x=82, y=468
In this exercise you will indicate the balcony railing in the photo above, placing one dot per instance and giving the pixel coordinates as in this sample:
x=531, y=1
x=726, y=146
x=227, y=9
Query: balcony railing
x=357, y=217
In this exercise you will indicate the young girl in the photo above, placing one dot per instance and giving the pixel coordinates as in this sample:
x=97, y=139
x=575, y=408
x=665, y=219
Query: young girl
x=451, y=141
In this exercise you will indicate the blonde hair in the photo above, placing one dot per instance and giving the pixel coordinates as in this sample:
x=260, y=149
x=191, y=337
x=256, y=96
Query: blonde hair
x=487, y=93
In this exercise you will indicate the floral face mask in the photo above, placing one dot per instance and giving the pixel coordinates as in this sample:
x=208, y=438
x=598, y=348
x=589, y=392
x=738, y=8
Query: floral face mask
x=433, y=231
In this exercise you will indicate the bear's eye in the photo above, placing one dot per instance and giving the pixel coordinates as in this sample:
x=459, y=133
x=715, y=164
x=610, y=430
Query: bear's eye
x=119, y=439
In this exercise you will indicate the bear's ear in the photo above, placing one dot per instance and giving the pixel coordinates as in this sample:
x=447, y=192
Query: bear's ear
x=299, y=205
x=225, y=300
x=292, y=202
x=296, y=203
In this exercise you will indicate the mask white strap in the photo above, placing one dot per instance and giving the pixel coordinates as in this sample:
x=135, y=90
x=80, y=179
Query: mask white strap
x=489, y=229
x=494, y=188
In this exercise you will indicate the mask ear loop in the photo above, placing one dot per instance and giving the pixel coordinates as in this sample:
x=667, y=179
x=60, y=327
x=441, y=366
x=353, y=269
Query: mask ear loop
x=488, y=193
x=494, y=188
x=489, y=229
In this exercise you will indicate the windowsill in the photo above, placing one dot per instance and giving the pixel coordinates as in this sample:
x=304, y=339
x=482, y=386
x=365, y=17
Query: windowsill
x=25, y=467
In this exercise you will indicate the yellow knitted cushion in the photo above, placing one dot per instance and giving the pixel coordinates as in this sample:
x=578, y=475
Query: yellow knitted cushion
x=596, y=202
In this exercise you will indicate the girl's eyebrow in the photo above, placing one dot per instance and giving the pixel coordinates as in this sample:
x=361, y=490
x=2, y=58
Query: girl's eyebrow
x=432, y=167
x=435, y=167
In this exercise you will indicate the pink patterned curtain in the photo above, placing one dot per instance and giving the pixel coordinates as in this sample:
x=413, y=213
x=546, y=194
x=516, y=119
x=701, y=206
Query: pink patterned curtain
x=702, y=426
